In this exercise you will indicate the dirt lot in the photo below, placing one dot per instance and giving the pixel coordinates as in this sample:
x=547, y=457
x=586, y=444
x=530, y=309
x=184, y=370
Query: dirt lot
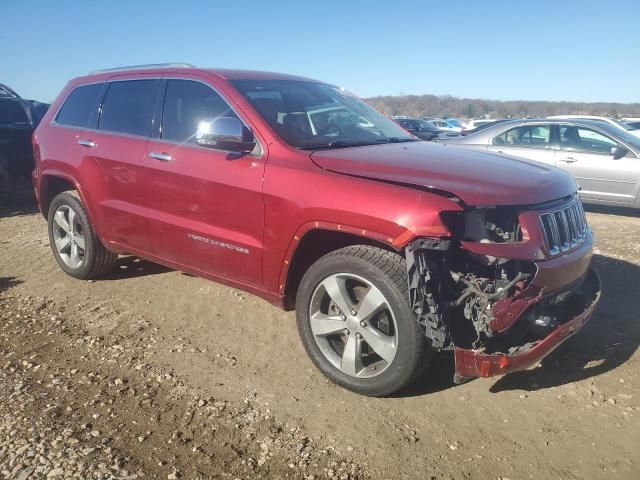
x=154, y=373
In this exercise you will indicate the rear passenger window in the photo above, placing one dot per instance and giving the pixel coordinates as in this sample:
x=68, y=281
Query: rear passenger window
x=128, y=107
x=79, y=105
x=535, y=136
x=186, y=104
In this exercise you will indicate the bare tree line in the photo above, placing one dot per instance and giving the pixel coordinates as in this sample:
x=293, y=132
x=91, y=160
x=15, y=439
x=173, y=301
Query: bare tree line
x=448, y=106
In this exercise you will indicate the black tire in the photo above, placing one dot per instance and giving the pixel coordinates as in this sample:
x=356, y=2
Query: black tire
x=387, y=272
x=97, y=260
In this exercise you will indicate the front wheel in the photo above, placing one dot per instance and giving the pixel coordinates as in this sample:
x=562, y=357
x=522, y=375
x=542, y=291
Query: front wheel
x=355, y=321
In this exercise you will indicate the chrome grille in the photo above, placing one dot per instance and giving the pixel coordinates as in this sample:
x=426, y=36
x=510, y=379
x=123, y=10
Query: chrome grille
x=564, y=228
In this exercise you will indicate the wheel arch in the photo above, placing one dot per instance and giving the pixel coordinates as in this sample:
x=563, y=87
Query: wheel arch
x=312, y=243
x=51, y=185
x=54, y=182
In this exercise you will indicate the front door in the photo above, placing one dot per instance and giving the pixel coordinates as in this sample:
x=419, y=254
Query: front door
x=207, y=209
x=586, y=154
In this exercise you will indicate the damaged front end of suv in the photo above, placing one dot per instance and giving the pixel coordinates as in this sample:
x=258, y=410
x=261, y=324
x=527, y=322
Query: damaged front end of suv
x=507, y=287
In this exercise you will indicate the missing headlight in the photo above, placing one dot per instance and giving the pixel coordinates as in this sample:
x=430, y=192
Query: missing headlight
x=495, y=225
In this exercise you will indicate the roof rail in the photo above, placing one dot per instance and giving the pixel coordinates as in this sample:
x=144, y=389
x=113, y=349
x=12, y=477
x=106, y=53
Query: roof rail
x=142, y=67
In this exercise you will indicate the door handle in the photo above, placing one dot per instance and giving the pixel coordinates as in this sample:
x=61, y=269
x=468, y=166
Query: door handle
x=569, y=160
x=164, y=157
x=87, y=143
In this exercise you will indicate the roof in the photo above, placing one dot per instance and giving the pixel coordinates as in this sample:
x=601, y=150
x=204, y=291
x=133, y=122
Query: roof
x=223, y=73
x=6, y=92
x=229, y=74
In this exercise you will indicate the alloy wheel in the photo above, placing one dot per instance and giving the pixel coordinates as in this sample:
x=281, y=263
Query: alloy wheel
x=353, y=325
x=68, y=236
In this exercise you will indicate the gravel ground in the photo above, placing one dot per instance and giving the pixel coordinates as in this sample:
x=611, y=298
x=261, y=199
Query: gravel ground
x=107, y=413
x=153, y=373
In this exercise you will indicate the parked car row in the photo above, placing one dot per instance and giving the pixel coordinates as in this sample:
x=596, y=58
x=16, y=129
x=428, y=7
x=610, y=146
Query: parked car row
x=452, y=126
x=447, y=127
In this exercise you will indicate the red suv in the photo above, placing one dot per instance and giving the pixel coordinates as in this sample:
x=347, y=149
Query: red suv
x=389, y=248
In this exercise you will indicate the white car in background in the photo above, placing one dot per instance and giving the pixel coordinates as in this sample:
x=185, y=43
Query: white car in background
x=610, y=121
x=633, y=122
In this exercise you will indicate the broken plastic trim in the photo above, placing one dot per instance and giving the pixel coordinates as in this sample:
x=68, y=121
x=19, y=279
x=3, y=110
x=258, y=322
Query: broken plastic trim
x=423, y=288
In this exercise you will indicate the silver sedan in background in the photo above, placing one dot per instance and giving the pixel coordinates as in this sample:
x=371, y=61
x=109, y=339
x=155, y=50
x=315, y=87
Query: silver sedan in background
x=604, y=159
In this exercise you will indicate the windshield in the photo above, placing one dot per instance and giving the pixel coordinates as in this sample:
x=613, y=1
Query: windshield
x=621, y=124
x=453, y=122
x=315, y=115
x=621, y=134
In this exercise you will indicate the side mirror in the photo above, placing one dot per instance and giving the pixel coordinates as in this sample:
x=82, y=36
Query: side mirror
x=619, y=152
x=225, y=133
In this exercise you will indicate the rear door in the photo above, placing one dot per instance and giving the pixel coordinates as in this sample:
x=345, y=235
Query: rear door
x=532, y=142
x=78, y=112
x=207, y=209
x=113, y=162
x=586, y=153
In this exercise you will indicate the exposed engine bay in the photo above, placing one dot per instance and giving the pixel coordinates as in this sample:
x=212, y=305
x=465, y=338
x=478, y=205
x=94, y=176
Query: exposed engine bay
x=478, y=302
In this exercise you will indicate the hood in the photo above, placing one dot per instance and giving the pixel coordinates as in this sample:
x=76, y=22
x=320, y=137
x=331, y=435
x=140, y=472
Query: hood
x=477, y=178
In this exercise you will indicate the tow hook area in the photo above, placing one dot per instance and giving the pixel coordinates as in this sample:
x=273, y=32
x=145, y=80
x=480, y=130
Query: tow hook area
x=558, y=316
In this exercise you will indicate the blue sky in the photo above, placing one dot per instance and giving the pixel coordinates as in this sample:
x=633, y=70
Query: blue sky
x=534, y=50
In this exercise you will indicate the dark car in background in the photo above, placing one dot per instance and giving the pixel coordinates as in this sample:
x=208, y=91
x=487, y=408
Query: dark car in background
x=18, y=119
x=418, y=127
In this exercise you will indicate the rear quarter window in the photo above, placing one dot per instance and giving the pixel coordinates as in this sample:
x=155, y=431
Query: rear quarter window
x=77, y=109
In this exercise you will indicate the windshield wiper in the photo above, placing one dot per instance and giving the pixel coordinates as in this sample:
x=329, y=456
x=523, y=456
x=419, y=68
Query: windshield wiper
x=357, y=143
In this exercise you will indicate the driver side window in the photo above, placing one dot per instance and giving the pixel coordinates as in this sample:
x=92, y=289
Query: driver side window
x=578, y=139
x=186, y=104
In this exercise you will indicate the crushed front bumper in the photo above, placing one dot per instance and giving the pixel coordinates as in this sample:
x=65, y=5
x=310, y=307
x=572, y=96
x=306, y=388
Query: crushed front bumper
x=580, y=304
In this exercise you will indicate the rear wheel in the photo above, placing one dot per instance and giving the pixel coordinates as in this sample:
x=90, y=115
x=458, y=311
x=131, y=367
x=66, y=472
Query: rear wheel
x=74, y=243
x=355, y=321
